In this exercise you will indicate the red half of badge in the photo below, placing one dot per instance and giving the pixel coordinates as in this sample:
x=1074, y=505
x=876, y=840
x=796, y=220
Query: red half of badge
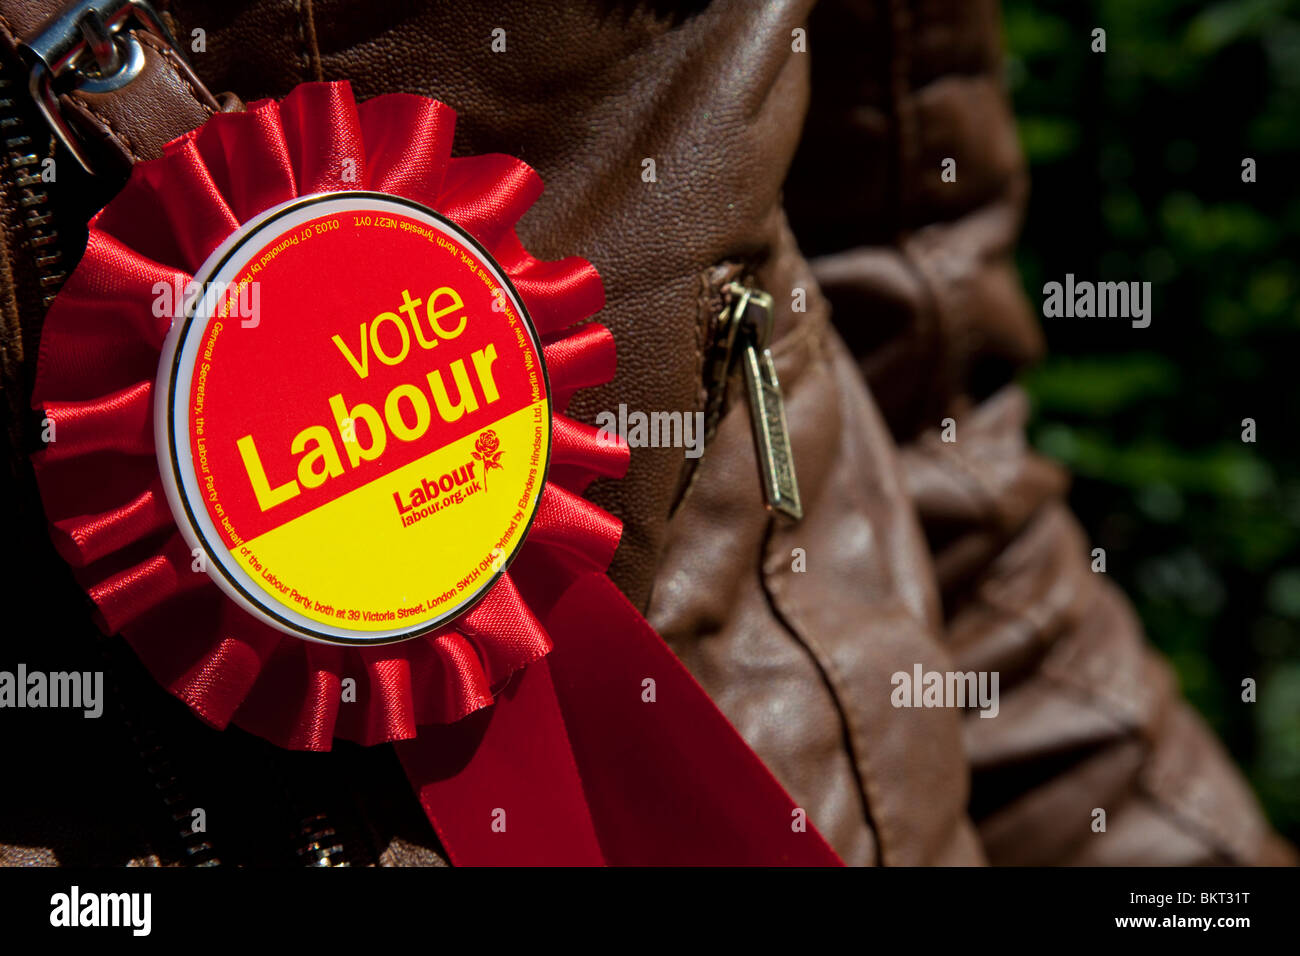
x=353, y=420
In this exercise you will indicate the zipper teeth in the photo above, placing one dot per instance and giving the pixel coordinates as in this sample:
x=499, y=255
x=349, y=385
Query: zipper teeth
x=157, y=763
x=198, y=851
x=20, y=163
x=715, y=362
x=719, y=361
x=318, y=843
x=39, y=234
x=41, y=240
x=313, y=838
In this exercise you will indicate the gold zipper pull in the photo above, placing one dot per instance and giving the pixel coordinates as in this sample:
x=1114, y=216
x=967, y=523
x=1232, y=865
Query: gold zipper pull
x=749, y=331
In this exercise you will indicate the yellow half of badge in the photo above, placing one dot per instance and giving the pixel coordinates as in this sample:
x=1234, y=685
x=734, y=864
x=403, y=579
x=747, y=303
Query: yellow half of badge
x=418, y=541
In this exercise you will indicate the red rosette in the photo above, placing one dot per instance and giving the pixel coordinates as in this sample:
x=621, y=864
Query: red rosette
x=100, y=481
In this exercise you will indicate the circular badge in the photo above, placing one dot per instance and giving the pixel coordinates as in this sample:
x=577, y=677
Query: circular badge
x=353, y=420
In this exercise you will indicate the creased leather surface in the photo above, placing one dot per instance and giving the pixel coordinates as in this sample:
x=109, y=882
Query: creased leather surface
x=922, y=286
x=917, y=552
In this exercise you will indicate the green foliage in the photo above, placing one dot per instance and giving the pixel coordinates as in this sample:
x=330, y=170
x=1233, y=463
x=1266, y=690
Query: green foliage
x=1136, y=156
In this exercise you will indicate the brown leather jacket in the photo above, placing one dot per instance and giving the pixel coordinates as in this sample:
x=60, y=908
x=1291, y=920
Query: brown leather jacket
x=953, y=556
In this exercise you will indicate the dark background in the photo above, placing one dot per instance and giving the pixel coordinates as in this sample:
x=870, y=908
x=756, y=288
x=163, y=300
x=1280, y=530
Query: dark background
x=1136, y=158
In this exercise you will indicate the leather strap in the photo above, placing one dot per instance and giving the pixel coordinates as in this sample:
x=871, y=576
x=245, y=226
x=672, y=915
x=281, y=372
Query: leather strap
x=134, y=122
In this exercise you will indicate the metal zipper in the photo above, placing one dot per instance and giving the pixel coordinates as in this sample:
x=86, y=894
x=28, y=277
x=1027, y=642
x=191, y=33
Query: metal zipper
x=23, y=169
x=320, y=845
x=156, y=760
x=741, y=336
x=41, y=241
x=153, y=754
x=314, y=840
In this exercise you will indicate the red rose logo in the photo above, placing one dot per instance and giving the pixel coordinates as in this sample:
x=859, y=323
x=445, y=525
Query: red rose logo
x=486, y=451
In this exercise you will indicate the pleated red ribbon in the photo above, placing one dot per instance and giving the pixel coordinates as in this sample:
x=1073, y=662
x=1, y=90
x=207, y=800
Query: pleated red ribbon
x=526, y=742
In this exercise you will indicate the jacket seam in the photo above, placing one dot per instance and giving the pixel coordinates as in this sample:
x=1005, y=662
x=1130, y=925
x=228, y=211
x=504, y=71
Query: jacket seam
x=810, y=336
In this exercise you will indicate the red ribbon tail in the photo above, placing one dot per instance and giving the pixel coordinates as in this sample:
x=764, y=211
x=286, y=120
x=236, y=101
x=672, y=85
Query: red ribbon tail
x=500, y=786
x=668, y=782
x=589, y=767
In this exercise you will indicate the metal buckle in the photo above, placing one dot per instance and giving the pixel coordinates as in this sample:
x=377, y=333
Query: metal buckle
x=94, y=30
